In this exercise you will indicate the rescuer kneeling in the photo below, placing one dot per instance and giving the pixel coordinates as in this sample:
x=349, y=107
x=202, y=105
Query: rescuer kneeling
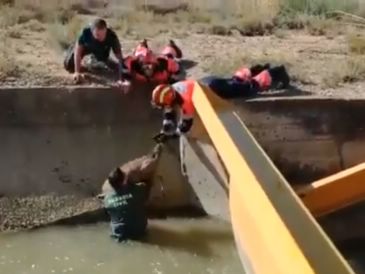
x=125, y=193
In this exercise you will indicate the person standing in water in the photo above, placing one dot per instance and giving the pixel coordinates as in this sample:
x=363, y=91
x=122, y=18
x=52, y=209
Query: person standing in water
x=125, y=193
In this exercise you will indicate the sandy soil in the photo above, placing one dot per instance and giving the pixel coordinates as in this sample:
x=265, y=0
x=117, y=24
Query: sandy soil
x=313, y=61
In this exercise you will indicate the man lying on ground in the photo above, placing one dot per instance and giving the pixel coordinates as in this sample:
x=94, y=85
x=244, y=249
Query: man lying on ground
x=125, y=193
x=248, y=82
x=177, y=100
x=145, y=66
x=96, y=40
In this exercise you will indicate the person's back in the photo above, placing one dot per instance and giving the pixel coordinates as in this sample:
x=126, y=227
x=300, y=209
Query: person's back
x=141, y=169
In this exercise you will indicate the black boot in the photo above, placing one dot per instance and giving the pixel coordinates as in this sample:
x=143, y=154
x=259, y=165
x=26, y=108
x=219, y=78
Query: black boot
x=280, y=77
x=68, y=62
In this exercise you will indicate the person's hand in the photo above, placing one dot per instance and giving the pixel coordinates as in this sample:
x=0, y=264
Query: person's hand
x=124, y=85
x=162, y=137
x=78, y=77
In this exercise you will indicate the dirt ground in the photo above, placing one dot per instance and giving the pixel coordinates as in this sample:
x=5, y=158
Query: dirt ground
x=317, y=63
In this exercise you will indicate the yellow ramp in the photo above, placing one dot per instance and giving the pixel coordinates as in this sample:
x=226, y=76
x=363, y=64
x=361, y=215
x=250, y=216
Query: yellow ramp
x=274, y=232
x=335, y=192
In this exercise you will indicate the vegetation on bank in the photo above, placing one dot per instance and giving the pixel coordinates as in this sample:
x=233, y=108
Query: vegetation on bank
x=249, y=17
x=63, y=19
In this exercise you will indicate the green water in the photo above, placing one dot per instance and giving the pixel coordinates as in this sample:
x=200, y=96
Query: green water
x=176, y=246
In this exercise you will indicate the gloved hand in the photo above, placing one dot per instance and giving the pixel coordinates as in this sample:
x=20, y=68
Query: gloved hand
x=162, y=137
x=185, y=125
x=168, y=127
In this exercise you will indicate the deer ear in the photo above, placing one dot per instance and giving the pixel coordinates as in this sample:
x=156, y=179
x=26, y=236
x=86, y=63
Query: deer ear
x=117, y=175
x=120, y=174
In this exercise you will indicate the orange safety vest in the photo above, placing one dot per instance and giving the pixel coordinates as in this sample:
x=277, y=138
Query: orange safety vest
x=243, y=74
x=264, y=79
x=186, y=89
x=158, y=77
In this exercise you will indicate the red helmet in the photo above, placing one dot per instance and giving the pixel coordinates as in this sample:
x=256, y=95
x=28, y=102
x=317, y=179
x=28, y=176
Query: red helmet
x=163, y=96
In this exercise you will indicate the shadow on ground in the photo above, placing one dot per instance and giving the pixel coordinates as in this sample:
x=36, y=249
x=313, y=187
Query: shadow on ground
x=187, y=64
x=292, y=90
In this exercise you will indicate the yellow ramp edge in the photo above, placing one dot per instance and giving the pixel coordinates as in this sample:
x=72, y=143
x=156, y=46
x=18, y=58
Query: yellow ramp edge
x=274, y=232
x=335, y=192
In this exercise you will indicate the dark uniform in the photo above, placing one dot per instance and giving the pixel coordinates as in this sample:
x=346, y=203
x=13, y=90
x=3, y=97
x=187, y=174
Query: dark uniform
x=262, y=77
x=100, y=50
x=128, y=217
x=125, y=201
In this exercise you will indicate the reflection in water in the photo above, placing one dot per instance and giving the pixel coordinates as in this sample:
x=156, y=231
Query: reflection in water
x=172, y=246
x=354, y=251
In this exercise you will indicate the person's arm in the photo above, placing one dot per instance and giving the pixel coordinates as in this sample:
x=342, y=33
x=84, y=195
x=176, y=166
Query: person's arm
x=185, y=125
x=174, y=71
x=78, y=56
x=117, y=50
x=79, y=53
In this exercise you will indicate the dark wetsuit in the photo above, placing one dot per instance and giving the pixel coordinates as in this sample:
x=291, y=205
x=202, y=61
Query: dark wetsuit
x=128, y=217
x=262, y=77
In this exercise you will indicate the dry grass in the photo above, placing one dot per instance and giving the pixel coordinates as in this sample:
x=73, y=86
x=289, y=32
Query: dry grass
x=280, y=33
x=14, y=32
x=225, y=68
x=346, y=71
x=8, y=66
x=192, y=20
x=250, y=18
x=34, y=25
x=144, y=18
x=63, y=35
x=320, y=26
x=14, y=12
x=320, y=7
x=356, y=44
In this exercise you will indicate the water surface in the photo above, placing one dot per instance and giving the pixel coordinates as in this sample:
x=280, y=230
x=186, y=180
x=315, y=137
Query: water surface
x=176, y=246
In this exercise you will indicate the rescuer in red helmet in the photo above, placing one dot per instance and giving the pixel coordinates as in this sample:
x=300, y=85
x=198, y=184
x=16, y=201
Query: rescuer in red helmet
x=177, y=99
